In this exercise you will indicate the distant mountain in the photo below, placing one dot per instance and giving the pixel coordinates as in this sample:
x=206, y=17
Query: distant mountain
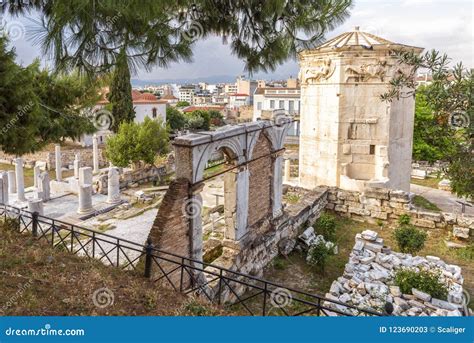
x=207, y=79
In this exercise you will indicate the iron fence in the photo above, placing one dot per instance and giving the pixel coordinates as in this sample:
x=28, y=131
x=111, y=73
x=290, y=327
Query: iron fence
x=249, y=294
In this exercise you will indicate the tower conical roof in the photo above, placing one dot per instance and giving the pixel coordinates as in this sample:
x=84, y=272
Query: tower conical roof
x=358, y=39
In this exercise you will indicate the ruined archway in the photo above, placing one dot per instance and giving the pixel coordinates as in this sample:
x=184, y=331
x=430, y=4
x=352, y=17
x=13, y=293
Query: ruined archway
x=253, y=158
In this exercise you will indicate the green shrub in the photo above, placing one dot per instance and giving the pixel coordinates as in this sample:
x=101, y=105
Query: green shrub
x=424, y=280
x=318, y=255
x=404, y=219
x=409, y=239
x=326, y=225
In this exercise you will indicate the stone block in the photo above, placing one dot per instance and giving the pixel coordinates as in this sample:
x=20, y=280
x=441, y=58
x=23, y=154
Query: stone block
x=340, y=208
x=466, y=221
x=330, y=206
x=377, y=193
x=436, y=217
x=421, y=295
x=358, y=211
x=379, y=215
x=461, y=232
x=429, y=224
x=400, y=196
x=394, y=204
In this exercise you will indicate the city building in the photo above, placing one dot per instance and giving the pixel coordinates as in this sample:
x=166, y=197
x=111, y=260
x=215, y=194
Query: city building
x=144, y=104
x=186, y=93
x=270, y=99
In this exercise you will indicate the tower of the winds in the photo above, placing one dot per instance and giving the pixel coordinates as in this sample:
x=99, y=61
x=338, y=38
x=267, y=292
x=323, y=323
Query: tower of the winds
x=350, y=138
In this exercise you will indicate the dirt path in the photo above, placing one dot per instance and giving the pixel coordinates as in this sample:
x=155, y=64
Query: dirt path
x=443, y=199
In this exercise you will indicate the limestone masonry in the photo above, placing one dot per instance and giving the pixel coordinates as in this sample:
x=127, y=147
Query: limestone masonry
x=350, y=138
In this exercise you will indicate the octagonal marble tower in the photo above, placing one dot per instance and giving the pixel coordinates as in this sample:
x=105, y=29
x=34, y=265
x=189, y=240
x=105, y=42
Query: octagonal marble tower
x=349, y=137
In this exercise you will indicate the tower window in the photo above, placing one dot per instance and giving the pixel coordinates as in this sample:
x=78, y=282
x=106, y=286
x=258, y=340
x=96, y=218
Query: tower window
x=372, y=149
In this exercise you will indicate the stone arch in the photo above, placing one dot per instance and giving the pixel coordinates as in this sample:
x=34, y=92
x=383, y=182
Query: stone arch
x=231, y=147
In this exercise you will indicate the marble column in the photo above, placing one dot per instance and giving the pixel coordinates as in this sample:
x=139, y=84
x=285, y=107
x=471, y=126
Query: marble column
x=277, y=186
x=77, y=165
x=36, y=173
x=36, y=205
x=95, y=154
x=11, y=181
x=236, y=199
x=85, y=199
x=85, y=176
x=113, y=186
x=286, y=174
x=44, y=188
x=57, y=151
x=4, y=187
x=20, y=182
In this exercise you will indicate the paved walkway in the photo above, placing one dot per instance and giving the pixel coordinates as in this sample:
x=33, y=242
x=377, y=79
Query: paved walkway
x=443, y=199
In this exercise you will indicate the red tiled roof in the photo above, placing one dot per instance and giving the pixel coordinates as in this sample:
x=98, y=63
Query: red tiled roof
x=137, y=98
x=203, y=108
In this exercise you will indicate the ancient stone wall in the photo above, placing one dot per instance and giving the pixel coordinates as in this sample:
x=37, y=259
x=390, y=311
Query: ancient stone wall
x=67, y=158
x=262, y=244
x=260, y=181
x=130, y=177
x=170, y=231
x=388, y=205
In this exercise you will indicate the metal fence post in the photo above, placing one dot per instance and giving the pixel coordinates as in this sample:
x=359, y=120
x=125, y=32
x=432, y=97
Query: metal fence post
x=148, y=251
x=34, y=227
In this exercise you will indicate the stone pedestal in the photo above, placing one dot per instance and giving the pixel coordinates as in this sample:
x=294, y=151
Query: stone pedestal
x=85, y=176
x=44, y=189
x=113, y=186
x=77, y=165
x=95, y=154
x=36, y=173
x=85, y=199
x=4, y=188
x=36, y=205
x=286, y=175
x=20, y=179
x=11, y=181
x=57, y=152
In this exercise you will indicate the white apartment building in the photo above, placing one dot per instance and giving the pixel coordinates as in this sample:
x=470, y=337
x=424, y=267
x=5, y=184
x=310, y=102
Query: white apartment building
x=267, y=100
x=186, y=93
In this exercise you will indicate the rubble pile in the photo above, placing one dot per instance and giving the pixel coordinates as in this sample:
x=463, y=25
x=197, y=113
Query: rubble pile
x=368, y=281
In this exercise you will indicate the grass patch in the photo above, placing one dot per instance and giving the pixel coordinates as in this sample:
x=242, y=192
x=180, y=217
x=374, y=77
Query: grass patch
x=291, y=198
x=38, y=280
x=431, y=182
x=28, y=173
x=423, y=203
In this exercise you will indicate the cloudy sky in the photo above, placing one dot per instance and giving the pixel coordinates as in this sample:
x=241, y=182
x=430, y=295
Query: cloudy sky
x=445, y=25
